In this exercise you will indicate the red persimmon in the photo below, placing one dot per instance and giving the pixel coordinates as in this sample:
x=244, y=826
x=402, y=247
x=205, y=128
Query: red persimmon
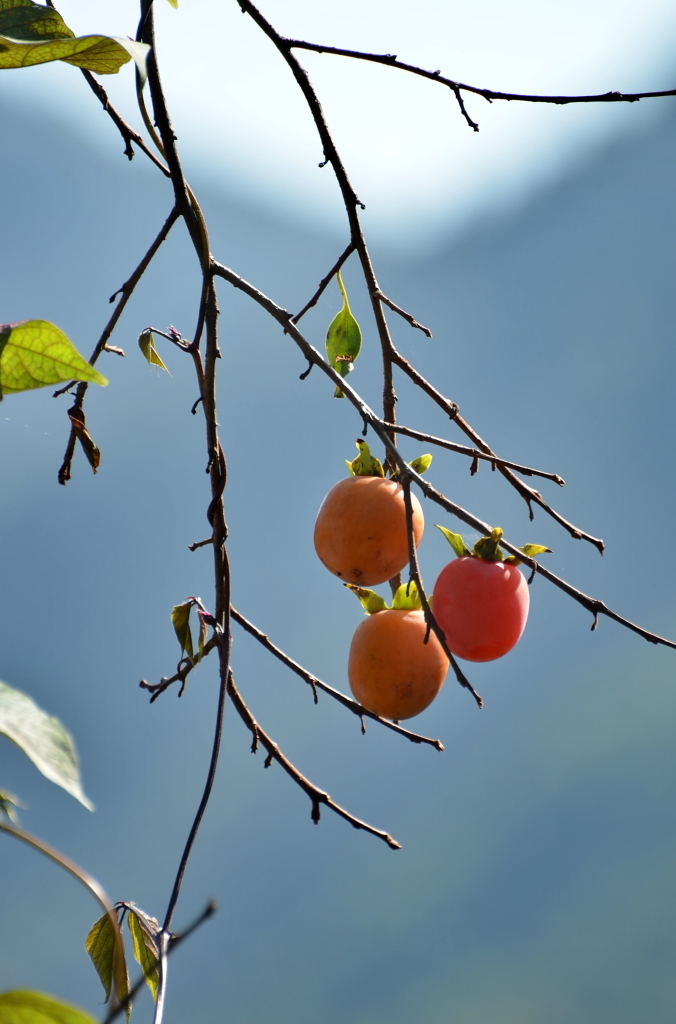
x=481, y=600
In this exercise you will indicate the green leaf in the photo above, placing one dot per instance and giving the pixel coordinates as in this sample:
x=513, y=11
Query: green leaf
x=407, y=597
x=22, y=1007
x=370, y=601
x=106, y=949
x=144, y=931
x=174, y=3
x=146, y=342
x=531, y=550
x=8, y=803
x=421, y=464
x=202, y=639
x=31, y=34
x=35, y=353
x=180, y=618
x=455, y=540
x=43, y=739
x=343, y=339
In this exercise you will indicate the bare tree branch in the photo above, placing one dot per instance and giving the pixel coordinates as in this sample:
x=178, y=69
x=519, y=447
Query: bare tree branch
x=317, y=796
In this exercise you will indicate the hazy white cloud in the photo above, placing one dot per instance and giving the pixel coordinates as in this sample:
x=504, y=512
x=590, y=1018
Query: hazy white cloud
x=411, y=157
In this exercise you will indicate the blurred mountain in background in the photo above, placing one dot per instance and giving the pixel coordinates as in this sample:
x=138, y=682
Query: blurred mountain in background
x=536, y=878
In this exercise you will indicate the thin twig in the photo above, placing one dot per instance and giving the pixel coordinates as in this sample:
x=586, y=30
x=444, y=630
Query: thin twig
x=126, y=131
x=125, y=293
x=84, y=878
x=325, y=281
x=402, y=312
x=318, y=684
x=473, y=453
x=529, y=494
x=317, y=796
x=414, y=570
x=390, y=60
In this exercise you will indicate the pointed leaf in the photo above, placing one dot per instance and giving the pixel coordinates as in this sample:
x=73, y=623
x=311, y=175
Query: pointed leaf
x=35, y=353
x=43, y=739
x=144, y=931
x=106, y=949
x=455, y=540
x=407, y=597
x=370, y=601
x=343, y=339
x=202, y=639
x=146, y=342
x=23, y=1007
x=531, y=550
x=180, y=618
x=174, y=3
x=421, y=464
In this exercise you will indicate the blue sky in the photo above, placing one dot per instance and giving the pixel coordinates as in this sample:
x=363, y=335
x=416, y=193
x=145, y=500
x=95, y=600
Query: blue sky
x=418, y=167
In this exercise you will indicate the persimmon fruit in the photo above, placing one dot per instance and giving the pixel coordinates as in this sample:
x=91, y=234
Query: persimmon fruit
x=392, y=671
x=481, y=599
x=360, y=533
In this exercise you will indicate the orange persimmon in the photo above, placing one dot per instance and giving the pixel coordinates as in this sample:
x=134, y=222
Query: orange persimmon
x=360, y=533
x=391, y=670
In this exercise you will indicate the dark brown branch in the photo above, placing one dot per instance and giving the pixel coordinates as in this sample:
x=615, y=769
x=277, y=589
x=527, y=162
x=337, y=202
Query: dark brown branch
x=473, y=453
x=184, y=669
x=317, y=796
x=317, y=684
x=414, y=570
x=380, y=427
x=125, y=293
x=325, y=282
x=402, y=312
x=126, y=131
x=390, y=60
x=350, y=201
x=529, y=494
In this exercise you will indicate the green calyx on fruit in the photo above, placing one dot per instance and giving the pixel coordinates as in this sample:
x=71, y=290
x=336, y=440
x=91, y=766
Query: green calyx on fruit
x=365, y=464
x=368, y=465
x=488, y=548
x=406, y=598
x=343, y=339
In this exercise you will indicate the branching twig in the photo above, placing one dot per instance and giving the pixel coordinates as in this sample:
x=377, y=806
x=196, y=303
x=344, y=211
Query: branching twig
x=402, y=312
x=317, y=684
x=317, y=796
x=390, y=60
x=125, y=293
x=529, y=494
x=128, y=134
x=473, y=453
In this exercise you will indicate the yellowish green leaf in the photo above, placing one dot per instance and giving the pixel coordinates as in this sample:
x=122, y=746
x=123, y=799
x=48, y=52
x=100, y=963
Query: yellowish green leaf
x=343, y=339
x=180, y=618
x=35, y=353
x=455, y=540
x=146, y=342
x=144, y=931
x=106, y=949
x=24, y=1007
